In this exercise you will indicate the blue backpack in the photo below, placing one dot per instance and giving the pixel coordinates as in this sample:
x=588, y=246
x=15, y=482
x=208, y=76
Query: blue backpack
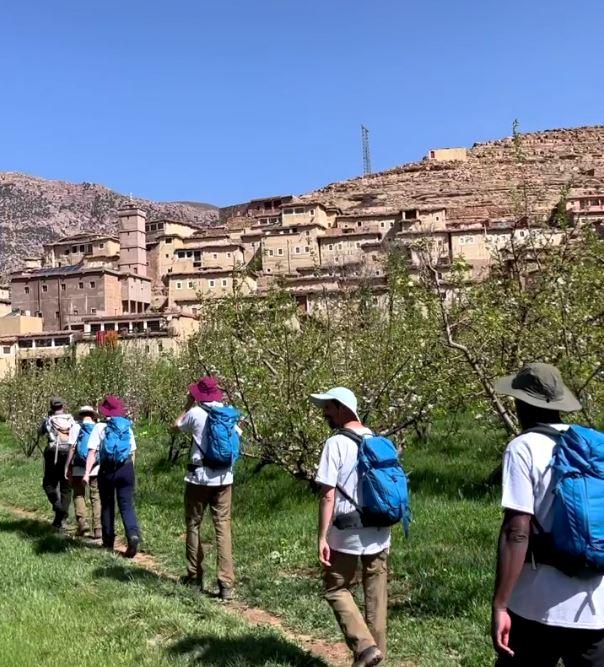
x=576, y=541
x=115, y=445
x=81, y=447
x=383, y=489
x=221, y=437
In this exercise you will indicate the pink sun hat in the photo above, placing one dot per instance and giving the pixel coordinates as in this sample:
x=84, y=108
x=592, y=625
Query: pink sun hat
x=206, y=390
x=112, y=406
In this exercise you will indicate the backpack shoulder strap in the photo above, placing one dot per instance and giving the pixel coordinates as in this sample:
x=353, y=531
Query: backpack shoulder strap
x=545, y=429
x=357, y=438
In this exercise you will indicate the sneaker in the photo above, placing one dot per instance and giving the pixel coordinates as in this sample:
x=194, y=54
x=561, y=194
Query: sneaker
x=81, y=530
x=368, y=658
x=132, y=546
x=97, y=534
x=225, y=592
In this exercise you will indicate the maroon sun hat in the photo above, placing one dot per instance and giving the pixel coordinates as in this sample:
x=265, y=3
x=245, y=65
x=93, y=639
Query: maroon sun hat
x=206, y=390
x=112, y=406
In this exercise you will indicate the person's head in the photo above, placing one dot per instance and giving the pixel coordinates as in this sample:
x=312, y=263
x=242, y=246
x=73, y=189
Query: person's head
x=540, y=394
x=206, y=390
x=112, y=406
x=87, y=414
x=339, y=406
x=57, y=406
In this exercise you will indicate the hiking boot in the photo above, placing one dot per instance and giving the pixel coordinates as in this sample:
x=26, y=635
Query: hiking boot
x=225, y=593
x=368, y=658
x=132, y=549
x=188, y=580
x=81, y=530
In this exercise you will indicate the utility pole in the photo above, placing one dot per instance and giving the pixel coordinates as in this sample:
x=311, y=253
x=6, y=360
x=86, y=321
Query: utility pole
x=366, y=153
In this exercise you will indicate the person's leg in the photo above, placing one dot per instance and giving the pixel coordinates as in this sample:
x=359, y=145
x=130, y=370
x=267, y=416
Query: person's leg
x=64, y=485
x=125, y=483
x=339, y=578
x=50, y=484
x=375, y=587
x=196, y=497
x=534, y=644
x=95, y=501
x=79, y=503
x=220, y=506
x=107, y=495
x=584, y=648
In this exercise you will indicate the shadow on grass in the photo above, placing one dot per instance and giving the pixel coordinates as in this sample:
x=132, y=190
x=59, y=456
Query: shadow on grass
x=245, y=651
x=45, y=540
x=454, y=484
x=128, y=574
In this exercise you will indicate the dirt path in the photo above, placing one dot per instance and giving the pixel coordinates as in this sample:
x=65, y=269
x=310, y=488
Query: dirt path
x=335, y=654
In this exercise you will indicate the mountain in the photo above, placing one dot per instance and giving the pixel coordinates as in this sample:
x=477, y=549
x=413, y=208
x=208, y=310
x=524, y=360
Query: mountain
x=489, y=181
x=34, y=211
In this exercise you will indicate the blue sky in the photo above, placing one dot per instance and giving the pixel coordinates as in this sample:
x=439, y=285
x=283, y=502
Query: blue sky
x=232, y=99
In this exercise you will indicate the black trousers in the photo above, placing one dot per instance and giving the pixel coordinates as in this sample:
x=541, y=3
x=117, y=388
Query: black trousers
x=538, y=645
x=56, y=487
x=117, y=482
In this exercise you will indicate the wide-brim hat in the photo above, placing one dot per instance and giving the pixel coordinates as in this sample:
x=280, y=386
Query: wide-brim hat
x=540, y=385
x=112, y=406
x=340, y=394
x=87, y=410
x=206, y=390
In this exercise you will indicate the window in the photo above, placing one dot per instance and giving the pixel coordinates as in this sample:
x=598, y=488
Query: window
x=194, y=311
x=212, y=283
x=74, y=248
x=80, y=285
x=179, y=285
x=224, y=282
x=67, y=251
x=190, y=284
x=82, y=248
x=358, y=244
x=312, y=211
x=297, y=250
x=306, y=249
x=359, y=224
x=382, y=225
x=189, y=253
x=229, y=255
x=57, y=314
x=92, y=284
x=279, y=251
x=6, y=350
x=26, y=290
x=215, y=255
x=75, y=311
x=101, y=245
x=330, y=246
x=271, y=253
x=180, y=253
x=45, y=288
x=63, y=287
x=93, y=311
x=268, y=270
x=168, y=240
x=89, y=247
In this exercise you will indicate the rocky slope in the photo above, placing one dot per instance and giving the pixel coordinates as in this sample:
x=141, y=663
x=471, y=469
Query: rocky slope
x=34, y=211
x=490, y=182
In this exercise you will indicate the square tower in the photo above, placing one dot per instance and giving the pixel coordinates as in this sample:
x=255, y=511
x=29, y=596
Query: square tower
x=133, y=249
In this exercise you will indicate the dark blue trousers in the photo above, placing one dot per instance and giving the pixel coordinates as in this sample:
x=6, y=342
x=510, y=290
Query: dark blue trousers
x=117, y=482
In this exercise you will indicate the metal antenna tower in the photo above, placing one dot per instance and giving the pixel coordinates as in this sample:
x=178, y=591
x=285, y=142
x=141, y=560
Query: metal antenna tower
x=366, y=153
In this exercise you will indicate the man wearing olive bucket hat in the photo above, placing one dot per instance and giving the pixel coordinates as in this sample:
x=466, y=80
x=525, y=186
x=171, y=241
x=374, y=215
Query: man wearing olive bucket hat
x=549, y=593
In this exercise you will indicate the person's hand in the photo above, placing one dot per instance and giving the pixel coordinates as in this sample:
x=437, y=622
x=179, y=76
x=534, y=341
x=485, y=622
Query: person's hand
x=324, y=552
x=68, y=474
x=501, y=624
x=86, y=479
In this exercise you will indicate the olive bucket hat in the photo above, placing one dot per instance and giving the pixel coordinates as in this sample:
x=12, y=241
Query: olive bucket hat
x=540, y=385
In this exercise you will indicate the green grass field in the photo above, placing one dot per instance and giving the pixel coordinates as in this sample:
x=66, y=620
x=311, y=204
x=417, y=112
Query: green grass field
x=441, y=578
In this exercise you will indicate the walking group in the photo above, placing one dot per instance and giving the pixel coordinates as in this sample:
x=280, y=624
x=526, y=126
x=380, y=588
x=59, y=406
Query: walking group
x=548, y=603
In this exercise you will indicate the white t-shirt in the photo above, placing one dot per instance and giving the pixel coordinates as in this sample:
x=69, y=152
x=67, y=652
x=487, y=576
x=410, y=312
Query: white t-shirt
x=338, y=467
x=544, y=594
x=194, y=423
x=97, y=435
x=80, y=471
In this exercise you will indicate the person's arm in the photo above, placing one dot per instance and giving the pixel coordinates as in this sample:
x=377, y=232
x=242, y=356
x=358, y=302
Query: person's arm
x=132, y=447
x=90, y=463
x=513, y=545
x=94, y=444
x=68, y=463
x=190, y=402
x=326, y=506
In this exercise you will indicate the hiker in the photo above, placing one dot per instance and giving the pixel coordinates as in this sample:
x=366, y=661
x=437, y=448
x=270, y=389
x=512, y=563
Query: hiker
x=114, y=442
x=209, y=479
x=75, y=468
x=549, y=593
x=346, y=535
x=59, y=428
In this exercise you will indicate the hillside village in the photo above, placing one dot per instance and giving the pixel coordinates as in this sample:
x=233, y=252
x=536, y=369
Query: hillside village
x=144, y=284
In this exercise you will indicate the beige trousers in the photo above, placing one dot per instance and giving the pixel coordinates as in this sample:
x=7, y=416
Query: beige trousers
x=79, y=502
x=360, y=632
x=197, y=498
